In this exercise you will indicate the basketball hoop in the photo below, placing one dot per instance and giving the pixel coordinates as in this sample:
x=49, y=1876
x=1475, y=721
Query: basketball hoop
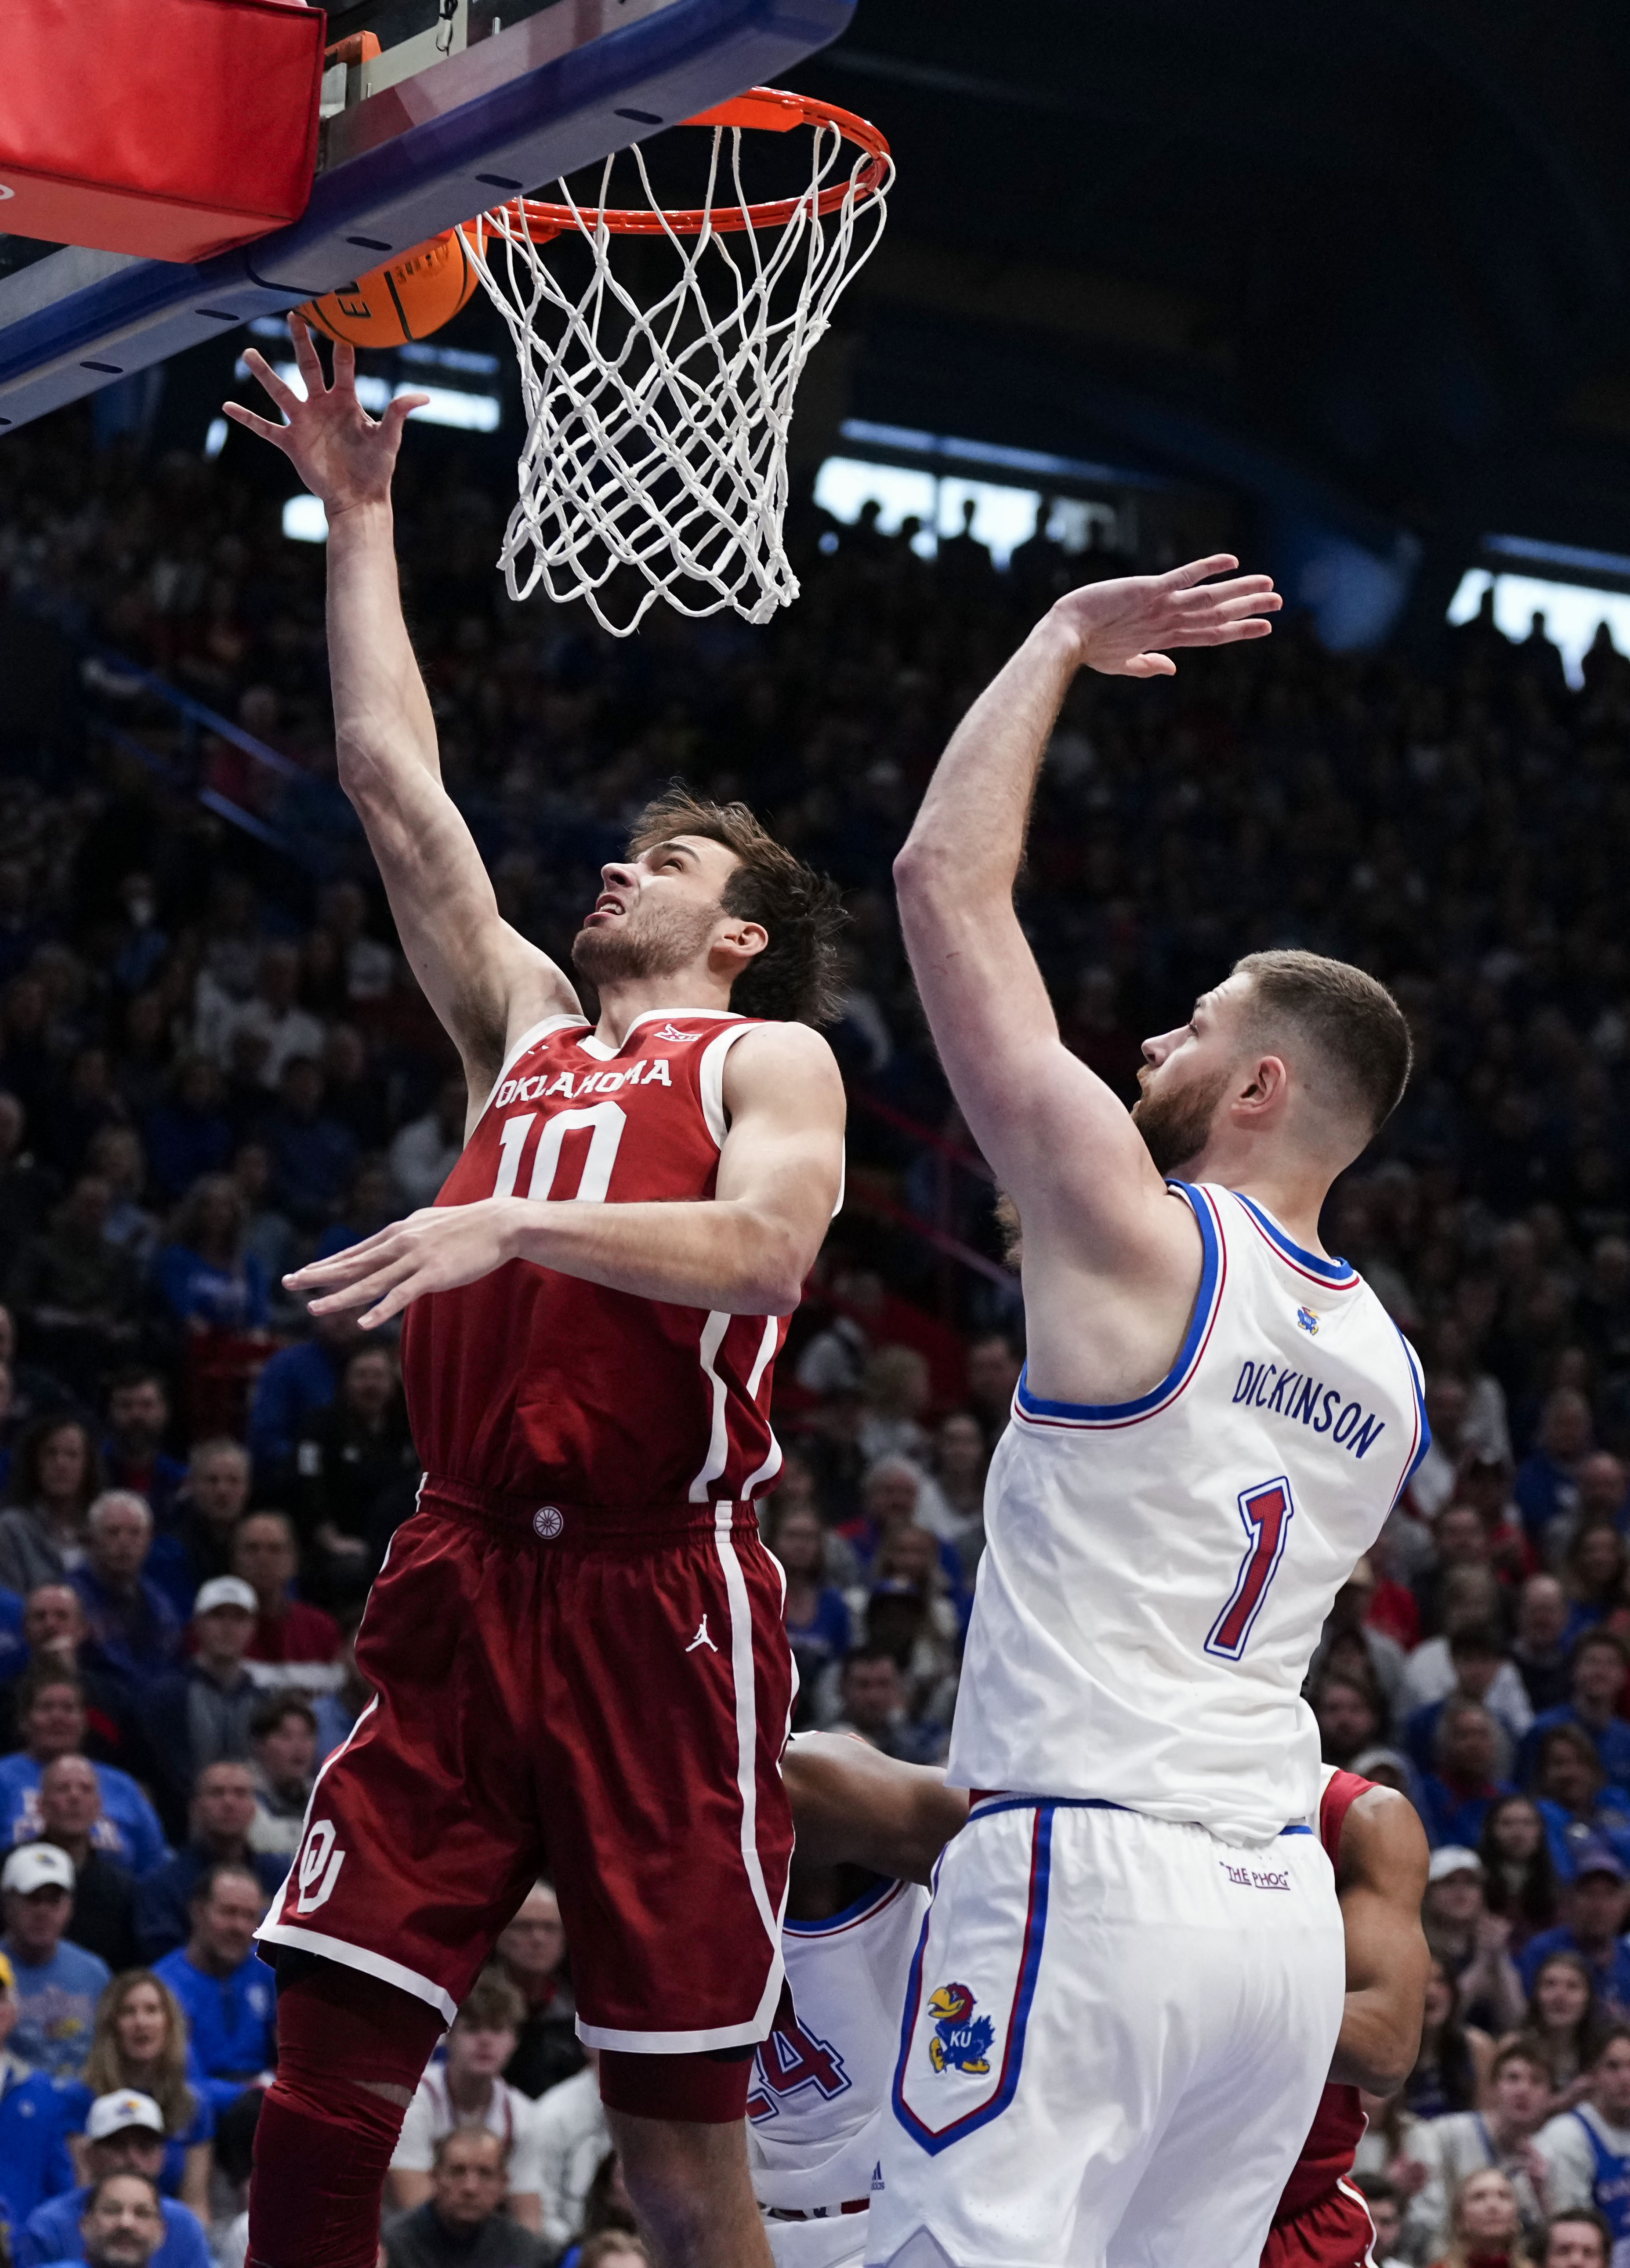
x=656, y=434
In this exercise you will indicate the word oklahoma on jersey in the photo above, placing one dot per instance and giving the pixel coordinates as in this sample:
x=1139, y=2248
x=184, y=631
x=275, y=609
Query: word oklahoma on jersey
x=531, y=1383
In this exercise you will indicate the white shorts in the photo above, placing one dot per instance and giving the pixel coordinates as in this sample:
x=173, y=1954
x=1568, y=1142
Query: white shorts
x=1116, y=2033
x=837, y=2241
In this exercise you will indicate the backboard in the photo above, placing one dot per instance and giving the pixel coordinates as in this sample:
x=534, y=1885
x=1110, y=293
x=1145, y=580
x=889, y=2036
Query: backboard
x=467, y=102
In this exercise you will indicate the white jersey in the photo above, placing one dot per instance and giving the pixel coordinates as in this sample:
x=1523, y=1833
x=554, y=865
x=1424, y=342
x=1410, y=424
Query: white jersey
x=1156, y=1573
x=821, y=2081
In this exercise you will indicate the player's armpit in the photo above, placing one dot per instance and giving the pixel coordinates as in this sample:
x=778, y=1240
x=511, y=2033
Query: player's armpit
x=1381, y=1882
x=854, y=1807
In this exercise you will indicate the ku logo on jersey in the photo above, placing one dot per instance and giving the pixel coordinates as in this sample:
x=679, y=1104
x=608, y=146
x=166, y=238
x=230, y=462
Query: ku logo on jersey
x=962, y=2041
x=1309, y=1322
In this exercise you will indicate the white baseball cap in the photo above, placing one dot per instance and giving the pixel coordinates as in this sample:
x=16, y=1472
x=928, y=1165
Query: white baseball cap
x=116, y=2113
x=32, y=1865
x=225, y=1591
x=1452, y=1859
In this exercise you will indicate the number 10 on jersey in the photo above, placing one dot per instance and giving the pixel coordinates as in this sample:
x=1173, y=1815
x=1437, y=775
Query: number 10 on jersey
x=1267, y=1512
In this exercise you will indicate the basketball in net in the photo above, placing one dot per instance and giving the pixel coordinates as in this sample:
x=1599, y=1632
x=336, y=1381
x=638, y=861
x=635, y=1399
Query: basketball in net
x=660, y=347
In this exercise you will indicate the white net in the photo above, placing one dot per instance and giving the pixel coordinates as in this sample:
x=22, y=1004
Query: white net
x=655, y=457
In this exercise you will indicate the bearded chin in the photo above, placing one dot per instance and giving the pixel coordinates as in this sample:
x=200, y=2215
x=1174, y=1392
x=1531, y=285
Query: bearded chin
x=642, y=946
x=1176, y=1127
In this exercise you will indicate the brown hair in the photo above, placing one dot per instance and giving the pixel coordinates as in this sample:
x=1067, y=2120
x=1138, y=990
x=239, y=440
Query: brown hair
x=1353, y=1023
x=106, y=2070
x=795, y=978
x=492, y=2004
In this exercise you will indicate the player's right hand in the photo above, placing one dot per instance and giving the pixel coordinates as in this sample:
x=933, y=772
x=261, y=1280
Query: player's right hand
x=343, y=456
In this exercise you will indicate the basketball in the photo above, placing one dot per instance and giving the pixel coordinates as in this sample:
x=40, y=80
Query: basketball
x=415, y=296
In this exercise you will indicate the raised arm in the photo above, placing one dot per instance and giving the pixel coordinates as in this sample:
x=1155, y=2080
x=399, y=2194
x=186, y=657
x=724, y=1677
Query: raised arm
x=780, y=1176
x=1381, y=1880
x=852, y=1807
x=484, y=981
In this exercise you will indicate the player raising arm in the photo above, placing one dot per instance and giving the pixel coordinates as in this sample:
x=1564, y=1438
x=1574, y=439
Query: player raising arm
x=1214, y=1420
x=576, y=1643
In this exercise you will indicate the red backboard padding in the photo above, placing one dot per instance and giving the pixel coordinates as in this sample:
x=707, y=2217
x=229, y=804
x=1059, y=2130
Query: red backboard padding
x=172, y=129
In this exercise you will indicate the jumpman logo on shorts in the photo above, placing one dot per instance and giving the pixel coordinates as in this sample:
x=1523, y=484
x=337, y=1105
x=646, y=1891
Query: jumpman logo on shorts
x=701, y=1638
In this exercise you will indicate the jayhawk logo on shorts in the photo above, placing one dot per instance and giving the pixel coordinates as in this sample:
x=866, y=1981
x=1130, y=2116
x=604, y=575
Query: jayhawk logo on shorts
x=961, y=2041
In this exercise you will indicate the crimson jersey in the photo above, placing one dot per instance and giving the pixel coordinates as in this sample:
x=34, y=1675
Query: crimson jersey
x=532, y=1385
x=1339, y=2123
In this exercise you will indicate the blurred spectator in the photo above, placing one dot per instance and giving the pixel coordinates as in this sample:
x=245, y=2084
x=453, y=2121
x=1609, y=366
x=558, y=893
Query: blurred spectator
x=1464, y=2143
x=270, y=1020
x=427, y=1149
x=1349, y=1719
x=1547, y=1480
x=1593, y=1574
x=1477, y=1657
x=1566, y=2021
x=34, y=2164
x=121, y=2219
x=612, y=2247
x=572, y=2142
x=531, y=1953
x=223, y=1811
x=1584, y=2149
x=283, y=1741
x=356, y=1471
x=133, y=1451
x=300, y=1640
x=1385, y=2205
x=1486, y=2225
x=134, y=1633
x=313, y=1156
x=27, y=1190
x=817, y=1617
x=1348, y=1643
x=1580, y=2239
x=213, y=1501
x=1596, y=1682
x=1594, y=1905
x=952, y=1506
x=55, y=1636
x=1462, y=1543
x=228, y=1996
x=462, y=2225
x=1455, y=1796
x=297, y=1381
x=77, y=1294
x=209, y=1281
x=1519, y=1875
x=190, y=1135
x=993, y=1373
x=52, y=1719
x=608, y=2212
x=55, y=1473
x=201, y=1714
x=1471, y=1598
x=103, y=1917
x=895, y=1394
x=1451, y=2071
x=873, y=1701
x=57, y=1983
x=1540, y=1653
x=1471, y=1944
x=468, y=2090
x=140, y=2046
x=1575, y=1800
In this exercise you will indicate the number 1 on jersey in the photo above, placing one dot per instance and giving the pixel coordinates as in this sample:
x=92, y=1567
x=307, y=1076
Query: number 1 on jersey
x=604, y=1124
x=1267, y=1512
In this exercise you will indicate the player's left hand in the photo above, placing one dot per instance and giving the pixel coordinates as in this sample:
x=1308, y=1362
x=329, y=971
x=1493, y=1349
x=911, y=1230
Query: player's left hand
x=1121, y=627
x=434, y=1250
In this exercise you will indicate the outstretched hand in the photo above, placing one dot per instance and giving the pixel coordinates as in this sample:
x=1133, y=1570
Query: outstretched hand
x=1122, y=627
x=343, y=456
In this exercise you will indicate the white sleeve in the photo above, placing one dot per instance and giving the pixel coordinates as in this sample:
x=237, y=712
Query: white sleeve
x=526, y=2150
x=416, y=2148
x=552, y=2142
x=1565, y=2148
x=1426, y=2214
x=1507, y=1698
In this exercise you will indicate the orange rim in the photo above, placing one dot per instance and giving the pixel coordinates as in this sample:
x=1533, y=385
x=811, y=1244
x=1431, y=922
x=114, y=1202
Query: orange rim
x=769, y=109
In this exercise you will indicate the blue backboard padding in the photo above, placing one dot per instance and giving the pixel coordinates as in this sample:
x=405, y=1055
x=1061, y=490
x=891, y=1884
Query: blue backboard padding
x=530, y=128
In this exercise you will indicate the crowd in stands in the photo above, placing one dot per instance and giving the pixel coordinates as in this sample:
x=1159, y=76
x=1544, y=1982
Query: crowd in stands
x=214, y=1064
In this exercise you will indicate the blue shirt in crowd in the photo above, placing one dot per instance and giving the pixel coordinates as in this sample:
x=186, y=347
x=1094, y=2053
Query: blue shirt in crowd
x=1612, y=1742
x=196, y=1291
x=163, y=1923
x=34, y=2164
x=128, y=1830
x=1612, y=1975
x=56, y=2007
x=13, y=1644
x=77, y=2099
x=298, y=1381
x=134, y=1636
x=52, y=2235
x=1451, y=1816
x=231, y=2020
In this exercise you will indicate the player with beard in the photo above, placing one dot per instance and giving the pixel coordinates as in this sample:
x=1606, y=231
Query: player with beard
x=1124, y=2006
x=576, y=1645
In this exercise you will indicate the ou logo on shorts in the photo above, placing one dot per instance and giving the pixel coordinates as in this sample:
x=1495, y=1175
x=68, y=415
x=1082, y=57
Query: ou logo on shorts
x=319, y=1869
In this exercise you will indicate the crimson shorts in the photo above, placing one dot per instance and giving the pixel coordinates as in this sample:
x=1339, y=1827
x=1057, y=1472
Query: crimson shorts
x=600, y=1697
x=1335, y=2231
